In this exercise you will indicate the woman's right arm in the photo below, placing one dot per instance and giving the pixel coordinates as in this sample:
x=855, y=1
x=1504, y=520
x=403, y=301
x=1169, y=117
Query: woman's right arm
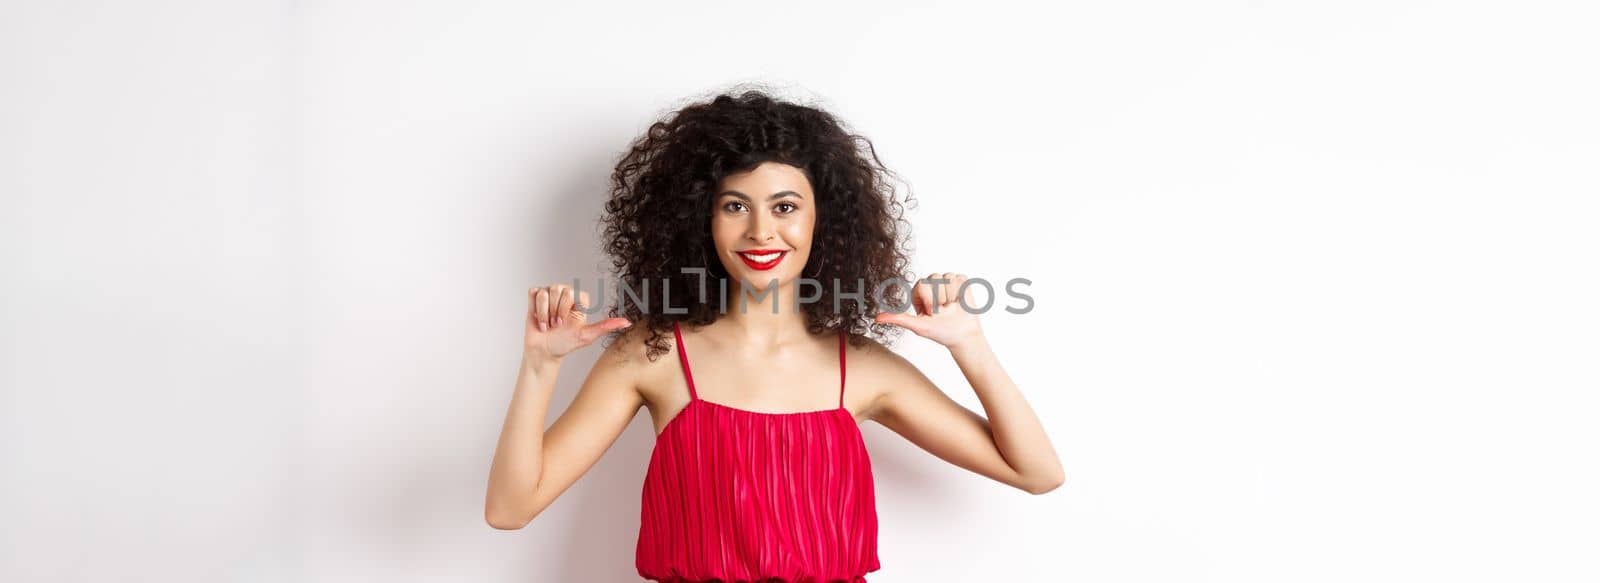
x=532, y=466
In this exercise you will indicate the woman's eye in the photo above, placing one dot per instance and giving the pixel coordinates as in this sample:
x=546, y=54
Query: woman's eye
x=729, y=207
x=792, y=208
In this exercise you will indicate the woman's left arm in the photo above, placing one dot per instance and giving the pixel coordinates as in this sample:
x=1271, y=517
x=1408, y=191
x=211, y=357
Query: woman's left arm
x=1009, y=446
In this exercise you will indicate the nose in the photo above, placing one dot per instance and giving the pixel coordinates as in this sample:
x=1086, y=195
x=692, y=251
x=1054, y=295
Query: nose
x=760, y=230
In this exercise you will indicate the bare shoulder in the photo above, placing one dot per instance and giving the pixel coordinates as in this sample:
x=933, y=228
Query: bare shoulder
x=628, y=356
x=874, y=371
x=626, y=351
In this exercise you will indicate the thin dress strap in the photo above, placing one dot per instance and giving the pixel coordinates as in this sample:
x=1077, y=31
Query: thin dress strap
x=684, y=359
x=841, y=369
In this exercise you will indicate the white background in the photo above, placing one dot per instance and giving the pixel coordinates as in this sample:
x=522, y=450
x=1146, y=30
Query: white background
x=1315, y=283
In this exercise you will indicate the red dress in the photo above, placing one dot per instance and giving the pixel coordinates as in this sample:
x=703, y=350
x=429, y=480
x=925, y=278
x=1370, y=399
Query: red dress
x=738, y=496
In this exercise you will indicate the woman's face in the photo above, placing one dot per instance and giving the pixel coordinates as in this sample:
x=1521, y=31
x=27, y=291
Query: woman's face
x=762, y=222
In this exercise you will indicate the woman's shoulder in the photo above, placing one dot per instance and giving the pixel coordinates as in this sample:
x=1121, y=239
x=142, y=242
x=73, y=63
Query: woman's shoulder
x=862, y=346
x=628, y=353
x=876, y=364
x=874, y=372
x=630, y=348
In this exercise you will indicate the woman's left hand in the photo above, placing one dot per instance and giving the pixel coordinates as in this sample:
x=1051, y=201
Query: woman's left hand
x=939, y=314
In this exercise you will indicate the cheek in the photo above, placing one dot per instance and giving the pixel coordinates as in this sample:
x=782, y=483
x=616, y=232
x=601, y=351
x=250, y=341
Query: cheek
x=798, y=238
x=800, y=232
x=723, y=232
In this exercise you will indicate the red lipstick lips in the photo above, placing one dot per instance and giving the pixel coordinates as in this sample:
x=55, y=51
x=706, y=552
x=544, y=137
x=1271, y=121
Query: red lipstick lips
x=759, y=266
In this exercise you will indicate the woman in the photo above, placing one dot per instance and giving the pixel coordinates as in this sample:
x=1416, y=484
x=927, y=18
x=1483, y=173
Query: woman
x=759, y=472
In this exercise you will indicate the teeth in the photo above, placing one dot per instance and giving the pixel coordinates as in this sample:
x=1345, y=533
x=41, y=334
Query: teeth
x=762, y=258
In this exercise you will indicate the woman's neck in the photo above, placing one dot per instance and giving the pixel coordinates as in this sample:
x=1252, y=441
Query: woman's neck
x=751, y=321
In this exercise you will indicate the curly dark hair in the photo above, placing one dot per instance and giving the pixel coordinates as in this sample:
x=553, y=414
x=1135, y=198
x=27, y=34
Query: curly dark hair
x=658, y=218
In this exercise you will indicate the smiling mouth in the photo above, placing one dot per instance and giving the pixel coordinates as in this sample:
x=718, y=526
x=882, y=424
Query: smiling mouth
x=762, y=259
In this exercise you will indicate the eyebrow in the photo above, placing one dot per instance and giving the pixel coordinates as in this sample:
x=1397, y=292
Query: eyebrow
x=773, y=196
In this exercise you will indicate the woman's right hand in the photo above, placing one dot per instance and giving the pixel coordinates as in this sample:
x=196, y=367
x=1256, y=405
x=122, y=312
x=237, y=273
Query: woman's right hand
x=556, y=324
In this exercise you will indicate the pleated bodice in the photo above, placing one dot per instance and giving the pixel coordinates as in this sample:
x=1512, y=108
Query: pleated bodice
x=734, y=496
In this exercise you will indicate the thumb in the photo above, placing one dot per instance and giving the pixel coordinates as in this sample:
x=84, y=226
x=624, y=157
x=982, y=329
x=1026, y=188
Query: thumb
x=590, y=332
